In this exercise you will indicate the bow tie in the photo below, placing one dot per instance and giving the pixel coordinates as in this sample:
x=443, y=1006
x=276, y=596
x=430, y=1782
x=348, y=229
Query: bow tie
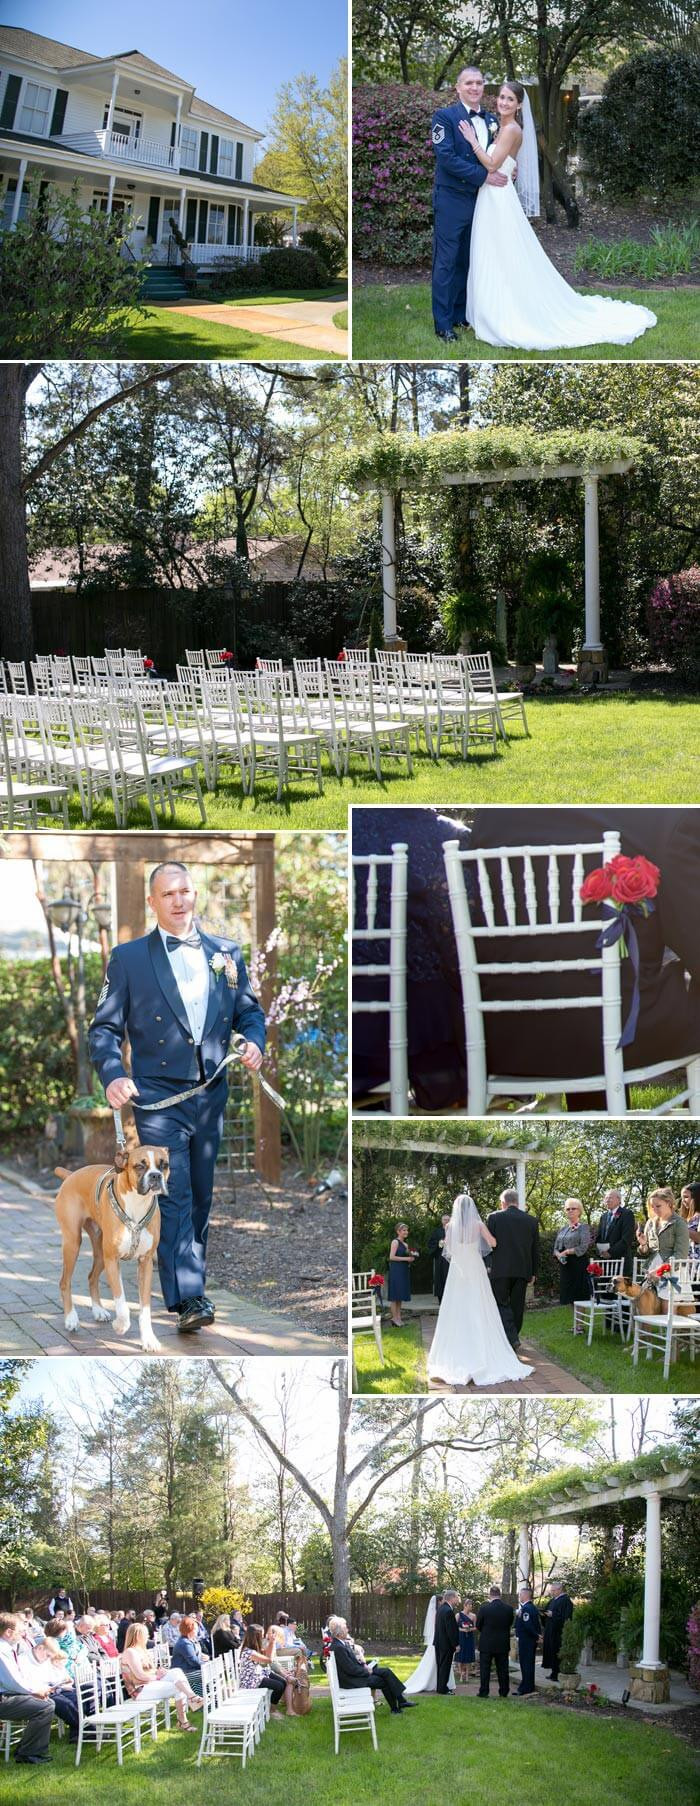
x=475, y=112
x=190, y=940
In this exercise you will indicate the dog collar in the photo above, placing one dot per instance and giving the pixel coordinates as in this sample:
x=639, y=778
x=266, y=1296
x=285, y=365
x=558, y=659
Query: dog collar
x=133, y=1228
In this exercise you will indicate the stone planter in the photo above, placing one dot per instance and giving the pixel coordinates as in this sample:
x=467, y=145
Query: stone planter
x=569, y=1682
x=89, y=1133
x=525, y=674
x=649, y=1684
x=592, y=667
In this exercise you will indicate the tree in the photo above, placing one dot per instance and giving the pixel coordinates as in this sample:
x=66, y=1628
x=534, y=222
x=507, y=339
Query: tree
x=67, y=291
x=307, y=154
x=28, y=1500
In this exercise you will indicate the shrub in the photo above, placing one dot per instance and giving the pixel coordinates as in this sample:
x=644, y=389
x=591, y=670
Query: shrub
x=36, y=1072
x=671, y=251
x=66, y=289
x=644, y=137
x=217, y=1600
x=393, y=173
x=694, y=1647
x=571, y=1646
x=674, y=623
x=525, y=649
x=280, y=268
x=331, y=251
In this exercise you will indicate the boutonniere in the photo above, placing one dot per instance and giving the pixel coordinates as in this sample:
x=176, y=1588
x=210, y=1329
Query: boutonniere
x=224, y=962
x=492, y=127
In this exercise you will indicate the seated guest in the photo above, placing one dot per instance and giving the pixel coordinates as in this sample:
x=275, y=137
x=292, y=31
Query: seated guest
x=571, y=1247
x=238, y=1627
x=87, y=1642
x=52, y=1667
x=23, y=1701
x=126, y=1620
x=202, y=1634
x=353, y=1671
x=666, y=1235
x=102, y=1635
x=145, y=1681
x=254, y=1666
x=690, y=1211
x=32, y=1628
x=64, y=1634
x=223, y=1635
x=188, y=1653
x=171, y=1631
x=61, y=1603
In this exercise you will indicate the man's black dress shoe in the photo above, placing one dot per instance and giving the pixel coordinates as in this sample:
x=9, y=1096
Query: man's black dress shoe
x=197, y=1313
x=449, y=338
x=31, y=1761
x=408, y=1704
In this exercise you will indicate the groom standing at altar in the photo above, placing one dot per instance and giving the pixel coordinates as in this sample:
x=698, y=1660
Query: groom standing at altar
x=458, y=177
x=446, y=1639
x=178, y=995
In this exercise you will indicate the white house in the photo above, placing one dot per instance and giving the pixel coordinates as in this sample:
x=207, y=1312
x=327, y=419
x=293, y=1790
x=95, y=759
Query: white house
x=136, y=139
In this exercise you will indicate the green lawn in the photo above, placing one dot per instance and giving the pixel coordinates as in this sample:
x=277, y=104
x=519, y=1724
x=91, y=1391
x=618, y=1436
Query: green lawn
x=341, y=320
x=164, y=334
x=582, y=750
x=404, y=1367
x=605, y=1365
x=337, y=291
x=394, y=320
x=519, y=1753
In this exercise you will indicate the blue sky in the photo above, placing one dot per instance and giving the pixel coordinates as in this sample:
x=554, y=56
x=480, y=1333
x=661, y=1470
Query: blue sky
x=238, y=55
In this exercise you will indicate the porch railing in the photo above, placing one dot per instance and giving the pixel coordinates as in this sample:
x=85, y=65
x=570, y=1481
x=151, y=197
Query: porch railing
x=146, y=151
x=207, y=255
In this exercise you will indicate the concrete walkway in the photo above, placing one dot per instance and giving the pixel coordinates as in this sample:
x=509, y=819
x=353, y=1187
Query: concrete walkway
x=547, y=1376
x=307, y=323
x=31, y=1318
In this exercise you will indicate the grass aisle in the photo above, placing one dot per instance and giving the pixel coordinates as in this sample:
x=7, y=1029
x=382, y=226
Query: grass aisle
x=464, y=1749
x=165, y=334
x=404, y=1367
x=605, y=750
x=605, y=1365
x=395, y=320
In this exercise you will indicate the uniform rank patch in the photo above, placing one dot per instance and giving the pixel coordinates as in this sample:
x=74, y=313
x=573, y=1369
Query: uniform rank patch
x=438, y=133
x=103, y=994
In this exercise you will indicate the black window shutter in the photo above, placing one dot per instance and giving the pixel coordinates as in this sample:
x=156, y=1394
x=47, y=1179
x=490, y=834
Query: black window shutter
x=203, y=149
x=203, y=216
x=231, y=228
x=239, y=162
x=172, y=136
x=59, y=112
x=9, y=105
x=191, y=221
x=214, y=164
x=153, y=217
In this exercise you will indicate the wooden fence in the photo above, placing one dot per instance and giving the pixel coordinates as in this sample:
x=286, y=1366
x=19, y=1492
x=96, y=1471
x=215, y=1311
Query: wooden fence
x=391, y=1618
x=163, y=622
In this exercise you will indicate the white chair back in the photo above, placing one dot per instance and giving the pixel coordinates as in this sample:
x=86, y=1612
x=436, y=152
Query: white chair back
x=365, y=928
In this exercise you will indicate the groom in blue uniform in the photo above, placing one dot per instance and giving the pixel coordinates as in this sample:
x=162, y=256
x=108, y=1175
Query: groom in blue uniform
x=527, y=1630
x=178, y=995
x=458, y=178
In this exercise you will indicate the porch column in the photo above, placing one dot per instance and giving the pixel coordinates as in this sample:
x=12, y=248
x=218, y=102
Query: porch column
x=252, y=229
x=294, y=227
x=652, y=1582
x=246, y=209
x=524, y=1556
x=178, y=117
x=182, y=213
x=592, y=641
x=389, y=565
x=18, y=193
x=112, y=100
x=520, y=1170
x=110, y=193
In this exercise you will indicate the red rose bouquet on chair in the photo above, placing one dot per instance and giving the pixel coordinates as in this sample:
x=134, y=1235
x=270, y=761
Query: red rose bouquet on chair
x=626, y=887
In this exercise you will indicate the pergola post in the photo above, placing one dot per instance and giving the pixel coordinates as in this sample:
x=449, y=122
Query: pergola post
x=389, y=568
x=652, y=1582
x=520, y=1172
x=593, y=664
x=524, y=1556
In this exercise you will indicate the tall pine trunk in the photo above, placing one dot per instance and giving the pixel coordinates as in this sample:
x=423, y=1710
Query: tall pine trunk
x=16, y=625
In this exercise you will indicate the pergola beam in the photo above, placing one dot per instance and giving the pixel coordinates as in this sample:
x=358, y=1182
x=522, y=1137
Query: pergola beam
x=517, y=1157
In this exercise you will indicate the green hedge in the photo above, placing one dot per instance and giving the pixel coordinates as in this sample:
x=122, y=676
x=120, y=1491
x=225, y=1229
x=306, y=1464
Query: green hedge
x=279, y=269
x=397, y=460
x=644, y=135
x=36, y=1071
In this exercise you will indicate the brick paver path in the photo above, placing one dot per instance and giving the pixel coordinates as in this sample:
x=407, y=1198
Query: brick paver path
x=547, y=1376
x=31, y=1317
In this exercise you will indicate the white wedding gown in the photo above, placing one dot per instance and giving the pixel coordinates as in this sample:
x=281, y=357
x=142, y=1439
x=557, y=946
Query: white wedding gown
x=470, y=1342
x=516, y=297
x=424, y=1677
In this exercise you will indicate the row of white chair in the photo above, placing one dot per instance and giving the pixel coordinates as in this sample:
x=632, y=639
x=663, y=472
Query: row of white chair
x=498, y=895
x=666, y=1332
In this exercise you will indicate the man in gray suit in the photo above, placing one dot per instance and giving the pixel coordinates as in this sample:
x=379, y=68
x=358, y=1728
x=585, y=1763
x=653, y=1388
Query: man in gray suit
x=513, y=1261
x=23, y=1701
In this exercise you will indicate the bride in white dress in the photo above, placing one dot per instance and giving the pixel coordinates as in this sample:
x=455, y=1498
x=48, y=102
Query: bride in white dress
x=515, y=296
x=470, y=1342
x=424, y=1677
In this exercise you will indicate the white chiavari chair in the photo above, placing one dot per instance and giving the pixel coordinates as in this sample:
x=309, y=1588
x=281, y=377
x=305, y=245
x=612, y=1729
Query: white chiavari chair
x=604, y=1304
x=675, y=1329
x=510, y=704
x=391, y=973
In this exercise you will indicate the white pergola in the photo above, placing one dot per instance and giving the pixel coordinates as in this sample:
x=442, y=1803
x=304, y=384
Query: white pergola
x=519, y=1158
x=589, y=476
x=581, y=1501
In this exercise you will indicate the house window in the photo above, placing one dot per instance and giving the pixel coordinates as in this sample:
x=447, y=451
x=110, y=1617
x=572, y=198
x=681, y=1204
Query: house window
x=126, y=126
x=34, y=111
x=188, y=148
x=8, y=204
x=226, y=157
x=171, y=217
x=215, y=225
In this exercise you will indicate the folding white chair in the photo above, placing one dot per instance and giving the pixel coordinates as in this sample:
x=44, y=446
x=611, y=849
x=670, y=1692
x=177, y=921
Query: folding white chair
x=510, y=704
x=669, y=1333
x=228, y=1725
x=98, y=1722
x=362, y=725
x=280, y=743
x=604, y=1303
x=353, y=1707
x=26, y=800
x=365, y=929
x=521, y=893
x=364, y=1312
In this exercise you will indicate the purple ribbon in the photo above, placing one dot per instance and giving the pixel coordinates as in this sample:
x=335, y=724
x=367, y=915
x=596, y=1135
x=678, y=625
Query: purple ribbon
x=620, y=927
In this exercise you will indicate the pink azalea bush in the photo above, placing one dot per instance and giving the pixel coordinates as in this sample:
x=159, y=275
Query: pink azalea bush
x=694, y=1647
x=393, y=173
x=674, y=622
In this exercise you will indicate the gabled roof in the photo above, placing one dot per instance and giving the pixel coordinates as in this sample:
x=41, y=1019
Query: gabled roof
x=50, y=54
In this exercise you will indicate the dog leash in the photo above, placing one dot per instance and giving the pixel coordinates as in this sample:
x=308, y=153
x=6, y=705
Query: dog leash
x=238, y=1048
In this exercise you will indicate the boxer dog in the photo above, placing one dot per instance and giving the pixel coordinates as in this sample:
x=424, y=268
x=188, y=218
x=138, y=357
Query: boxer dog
x=110, y=1202
x=646, y=1300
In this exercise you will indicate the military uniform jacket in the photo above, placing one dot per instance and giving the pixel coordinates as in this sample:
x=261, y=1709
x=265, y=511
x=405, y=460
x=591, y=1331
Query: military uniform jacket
x=457, y=170
x=527, y=1623
x=140, y=998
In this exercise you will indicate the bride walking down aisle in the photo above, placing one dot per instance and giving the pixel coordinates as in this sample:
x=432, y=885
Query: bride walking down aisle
x=470, y=1343
x=515, y=296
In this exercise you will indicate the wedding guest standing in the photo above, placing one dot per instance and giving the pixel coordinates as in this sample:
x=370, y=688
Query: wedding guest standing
x=556, y=1615
x=436, y=1247
x=690, y=1211
x=666, y=1233
x=466, y=1654
x=493, y=1622
x=401, y=1258
x=527, y=1631
x=617, y=1227
x=571, y=1250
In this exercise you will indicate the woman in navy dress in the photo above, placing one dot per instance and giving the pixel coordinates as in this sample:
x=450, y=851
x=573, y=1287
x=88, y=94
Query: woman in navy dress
x=466, y=1653
x=400, y=1259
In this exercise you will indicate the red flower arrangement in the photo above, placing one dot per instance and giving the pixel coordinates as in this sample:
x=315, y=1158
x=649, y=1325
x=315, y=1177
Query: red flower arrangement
x=623, y=880
x=594, y=1268
x=226, y=657
x=341, y=657
x=376, y=1280
x=148, y=664
x=660, y=1272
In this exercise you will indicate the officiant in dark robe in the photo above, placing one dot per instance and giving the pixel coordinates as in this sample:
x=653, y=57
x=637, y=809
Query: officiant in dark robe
x=446, y=1638
x=441, y=1266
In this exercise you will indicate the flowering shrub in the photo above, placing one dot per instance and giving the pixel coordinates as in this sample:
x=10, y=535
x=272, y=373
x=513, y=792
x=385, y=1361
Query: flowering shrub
x=217, y=1600
x=694, y=1647
x=392, y=163
x=674, y=622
